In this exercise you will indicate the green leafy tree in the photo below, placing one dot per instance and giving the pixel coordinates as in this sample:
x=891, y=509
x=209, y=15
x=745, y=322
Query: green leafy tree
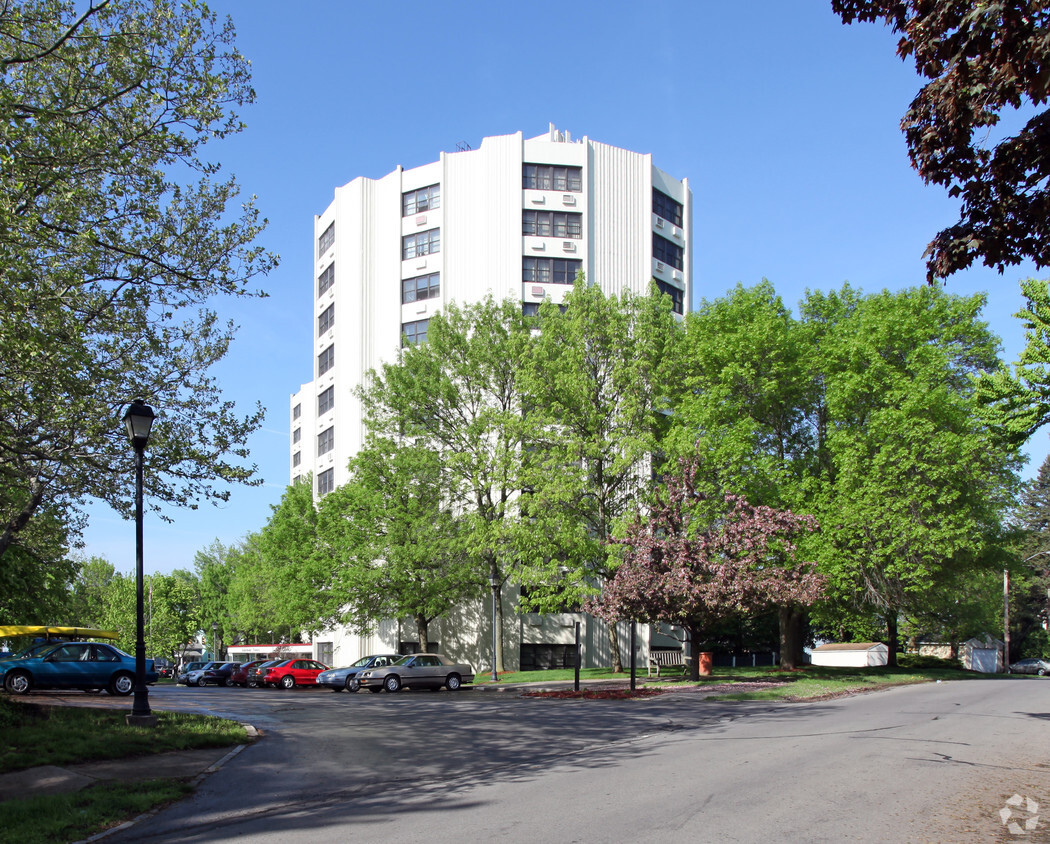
x=173, y=617
x=116, y=239
x=984, y=59
x=748, y=410
x=459, y=394
x=391, y=542
x=1030, y=575
x=292, y=579
x=918, y=480
x=1020, y=396
x=598, y=381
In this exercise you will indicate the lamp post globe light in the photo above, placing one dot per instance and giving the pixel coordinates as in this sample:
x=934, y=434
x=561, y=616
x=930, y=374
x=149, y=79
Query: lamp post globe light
x=139, y=420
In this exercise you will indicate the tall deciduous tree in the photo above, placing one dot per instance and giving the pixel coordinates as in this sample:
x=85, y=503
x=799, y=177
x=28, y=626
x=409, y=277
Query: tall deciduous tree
x=599, y=382
x=459, y=395
x=749, y=410
x=984, y=59
x=684, y=568
x=917, y=481
x=392, y=543
x=116, y=237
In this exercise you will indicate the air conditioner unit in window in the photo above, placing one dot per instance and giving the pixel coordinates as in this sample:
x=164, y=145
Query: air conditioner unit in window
x=568, y=246
x=568, y=199
x=539, y=199
x=659, y=266
x=659, y=222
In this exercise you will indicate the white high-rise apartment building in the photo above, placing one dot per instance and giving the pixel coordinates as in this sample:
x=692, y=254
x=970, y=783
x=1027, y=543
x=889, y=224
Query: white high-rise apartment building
x=517, y=217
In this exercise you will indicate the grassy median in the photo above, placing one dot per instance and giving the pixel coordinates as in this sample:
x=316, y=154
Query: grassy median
x=33, y=734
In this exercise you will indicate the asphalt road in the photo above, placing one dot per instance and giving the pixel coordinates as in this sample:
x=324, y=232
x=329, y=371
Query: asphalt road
x=930, y=763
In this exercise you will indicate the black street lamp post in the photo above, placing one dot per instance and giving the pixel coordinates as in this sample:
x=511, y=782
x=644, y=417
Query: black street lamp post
x=494, y=583
x=138, y=420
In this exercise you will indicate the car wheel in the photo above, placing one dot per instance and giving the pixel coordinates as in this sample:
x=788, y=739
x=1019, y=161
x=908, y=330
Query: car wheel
x=392, y=683
x=353, y=684
x=374, y=689
x=18, y=683
x=452, y=682
x=1042, y=672
x=287, y=682
x=121, y=684
x=229, y=683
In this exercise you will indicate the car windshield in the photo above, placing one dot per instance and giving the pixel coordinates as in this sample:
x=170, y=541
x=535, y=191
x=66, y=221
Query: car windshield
x=405, y=659
x=363, y=661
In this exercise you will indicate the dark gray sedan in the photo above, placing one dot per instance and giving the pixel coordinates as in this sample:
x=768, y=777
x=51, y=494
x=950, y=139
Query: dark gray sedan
x=338, y=679
x=1031, y=666
x=418, y=671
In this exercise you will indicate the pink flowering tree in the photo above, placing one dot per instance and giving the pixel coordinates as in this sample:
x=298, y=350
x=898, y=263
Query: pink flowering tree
x=686, y=567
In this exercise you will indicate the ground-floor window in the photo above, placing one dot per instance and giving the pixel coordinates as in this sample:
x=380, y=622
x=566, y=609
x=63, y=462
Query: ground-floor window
x=543, y=657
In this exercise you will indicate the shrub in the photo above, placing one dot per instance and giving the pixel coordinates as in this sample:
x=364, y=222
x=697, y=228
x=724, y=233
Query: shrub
x=923, y=661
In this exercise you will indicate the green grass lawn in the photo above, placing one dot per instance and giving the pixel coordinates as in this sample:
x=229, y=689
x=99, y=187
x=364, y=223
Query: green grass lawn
x=811, y=682
x=32, y=735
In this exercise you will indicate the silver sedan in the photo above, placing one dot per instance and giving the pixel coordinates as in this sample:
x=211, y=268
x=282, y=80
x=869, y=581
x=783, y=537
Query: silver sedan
x=417, y=671
x=346, y=678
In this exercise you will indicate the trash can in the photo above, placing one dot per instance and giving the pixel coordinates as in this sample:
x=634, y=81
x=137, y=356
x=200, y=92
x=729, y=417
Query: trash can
x=705, y=661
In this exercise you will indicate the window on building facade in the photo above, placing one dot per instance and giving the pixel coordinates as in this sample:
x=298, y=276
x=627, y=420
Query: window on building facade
x=326, y=320
x=325, y=401
x=327, y=238
x=421, y=243
x=669, y=209
x=550, y=270
x=669, y=253
x=530, y=309
x=297, y=435
x=677, y=295
x=418, y=201
x=325, y=481
x=420, y=287
x=552, y=224
x=297, y=411
x=413, y=333
x=552, y=177
x=326, y=360
x=325, y=280
x=325, y=441
x=297, y=458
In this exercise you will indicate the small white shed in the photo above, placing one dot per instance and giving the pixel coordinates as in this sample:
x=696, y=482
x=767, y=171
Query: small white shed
x=852, y=654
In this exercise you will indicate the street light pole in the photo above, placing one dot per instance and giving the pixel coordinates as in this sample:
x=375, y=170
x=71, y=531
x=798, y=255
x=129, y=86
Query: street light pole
x=138, y=420
x=494, y=583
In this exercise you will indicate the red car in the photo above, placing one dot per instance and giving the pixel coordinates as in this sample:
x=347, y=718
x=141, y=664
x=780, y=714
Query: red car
x=289, y=673
x=239, y=677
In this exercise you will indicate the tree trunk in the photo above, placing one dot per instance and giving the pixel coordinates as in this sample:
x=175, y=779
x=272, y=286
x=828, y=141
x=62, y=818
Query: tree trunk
x=892, y=638
x=422, y=634
x=614, y=649
x=692, y=658
x=792, y=636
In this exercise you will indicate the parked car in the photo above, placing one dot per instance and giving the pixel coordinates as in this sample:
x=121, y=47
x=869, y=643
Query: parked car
x=184, y=672
x=239, y=677
x=338, y=679
x=257, y=672
x=216, y=673
x=195, y=677
x=88, y=666
x=289, y=673
x=418, y=671
x=164, y=667
x=1031, y=666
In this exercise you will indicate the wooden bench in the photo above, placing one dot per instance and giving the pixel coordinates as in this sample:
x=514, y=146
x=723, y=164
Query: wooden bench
x=660, y=659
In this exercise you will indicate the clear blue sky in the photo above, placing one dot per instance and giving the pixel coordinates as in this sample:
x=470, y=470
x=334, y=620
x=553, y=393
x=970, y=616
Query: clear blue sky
x=785, y=121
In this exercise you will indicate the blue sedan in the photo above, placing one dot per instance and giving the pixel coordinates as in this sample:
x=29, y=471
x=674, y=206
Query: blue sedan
x=89, y=666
